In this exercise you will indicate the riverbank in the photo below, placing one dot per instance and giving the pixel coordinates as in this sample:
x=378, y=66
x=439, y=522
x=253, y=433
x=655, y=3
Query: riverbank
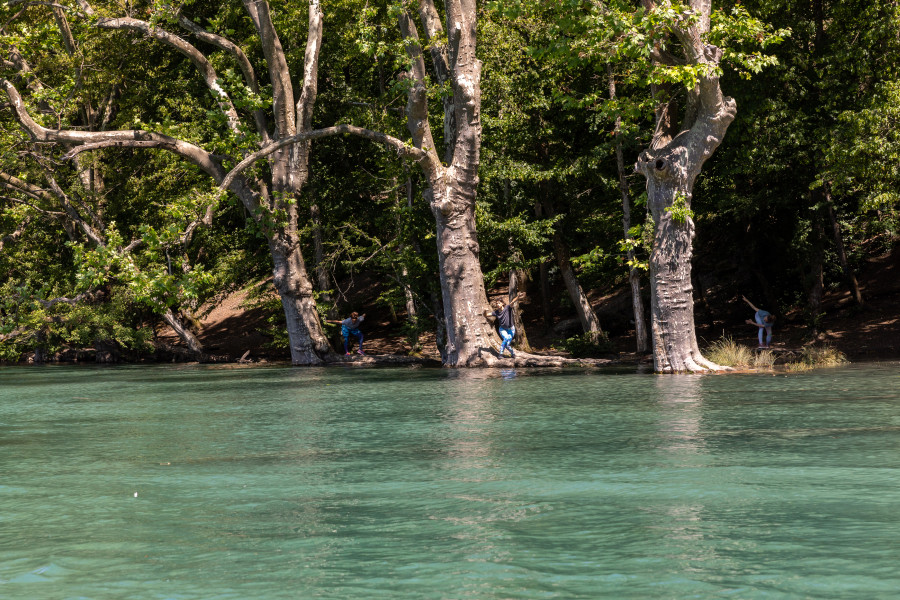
x=234, y=329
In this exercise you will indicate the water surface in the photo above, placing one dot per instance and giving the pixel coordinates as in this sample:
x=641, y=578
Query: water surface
x=207, y=482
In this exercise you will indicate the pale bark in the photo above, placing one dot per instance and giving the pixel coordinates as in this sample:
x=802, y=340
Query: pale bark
x=186, y=335
x=671, y=164
x=471, y=339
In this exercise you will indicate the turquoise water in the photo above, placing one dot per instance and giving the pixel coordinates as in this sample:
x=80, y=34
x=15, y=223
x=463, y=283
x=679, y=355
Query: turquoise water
x=205, y=482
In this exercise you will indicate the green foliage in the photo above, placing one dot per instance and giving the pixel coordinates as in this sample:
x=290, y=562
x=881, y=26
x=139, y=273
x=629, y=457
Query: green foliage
x=588, y=345
x=680, y=211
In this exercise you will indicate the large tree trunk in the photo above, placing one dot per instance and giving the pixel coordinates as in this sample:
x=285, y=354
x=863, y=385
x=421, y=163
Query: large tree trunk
x=470, y=336
x=671, y=164
x=308, y=343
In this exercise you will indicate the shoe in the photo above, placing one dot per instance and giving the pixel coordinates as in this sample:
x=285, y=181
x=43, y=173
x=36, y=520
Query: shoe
x=512, y=354
x=348, y=354
x=360, y=352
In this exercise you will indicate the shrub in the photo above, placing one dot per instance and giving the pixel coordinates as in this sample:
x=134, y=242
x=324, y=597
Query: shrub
x=588, y=346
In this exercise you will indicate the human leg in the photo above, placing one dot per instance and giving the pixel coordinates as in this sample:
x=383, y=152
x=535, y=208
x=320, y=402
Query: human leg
x=768, y=335
x=507, y=336
x=345, y=335
x=359, y=336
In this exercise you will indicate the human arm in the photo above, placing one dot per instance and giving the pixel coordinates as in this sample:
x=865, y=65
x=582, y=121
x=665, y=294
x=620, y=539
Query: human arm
x=514, y=301
x=750, y=303
x=749, y=322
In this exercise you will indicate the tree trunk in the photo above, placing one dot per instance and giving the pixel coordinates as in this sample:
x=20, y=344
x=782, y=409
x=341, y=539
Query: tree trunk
x=517, y=282
x=470, y=336
x=634, y=273
x=308, y=343
x=671, y=164
x=816, y=269
x=849, y=275
x=671, y=294
x=185, y=334
x=544, y=277
x=323, y=277
x=590, y=324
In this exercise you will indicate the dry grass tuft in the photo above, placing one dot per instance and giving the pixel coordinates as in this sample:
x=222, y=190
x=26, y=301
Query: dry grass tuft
x=814, y=357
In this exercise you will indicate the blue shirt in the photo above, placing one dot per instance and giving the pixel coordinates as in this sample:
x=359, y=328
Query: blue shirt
x=348, y=323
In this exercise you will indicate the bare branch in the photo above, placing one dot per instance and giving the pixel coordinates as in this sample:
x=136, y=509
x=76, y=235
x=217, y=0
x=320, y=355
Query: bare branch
x=12, y=237
x=402, y=148
x=47, y=213
x=417, y=101
x=310, y=68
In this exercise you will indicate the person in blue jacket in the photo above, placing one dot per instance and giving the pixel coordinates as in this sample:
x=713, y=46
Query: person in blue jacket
x=763, y=320
x=505, y=322
x=350, y=326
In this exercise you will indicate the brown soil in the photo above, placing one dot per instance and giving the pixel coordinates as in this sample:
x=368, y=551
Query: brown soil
x=871, y=332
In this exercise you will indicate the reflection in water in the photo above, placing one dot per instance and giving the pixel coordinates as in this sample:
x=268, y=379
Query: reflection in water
x=680, y=405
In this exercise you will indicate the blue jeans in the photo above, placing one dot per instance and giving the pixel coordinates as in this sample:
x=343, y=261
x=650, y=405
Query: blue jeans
x=765, y=327
x=346, y=333
x=507, y=335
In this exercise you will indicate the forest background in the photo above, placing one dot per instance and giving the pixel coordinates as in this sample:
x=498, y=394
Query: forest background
x=123, y=250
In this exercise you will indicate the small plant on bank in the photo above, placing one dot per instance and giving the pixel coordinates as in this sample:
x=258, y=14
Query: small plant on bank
x=814, y=357
x=588, y=345
x=727, y=352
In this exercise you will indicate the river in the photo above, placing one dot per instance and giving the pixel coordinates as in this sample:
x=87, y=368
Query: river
x=214, y=482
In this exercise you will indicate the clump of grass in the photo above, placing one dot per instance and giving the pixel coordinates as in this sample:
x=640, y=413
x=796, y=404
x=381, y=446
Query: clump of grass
x=587, y=345
x=764, y=359
x=817, y=356
x=728, y=353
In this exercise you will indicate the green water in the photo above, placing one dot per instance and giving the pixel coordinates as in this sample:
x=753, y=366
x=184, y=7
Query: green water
x=244, y=483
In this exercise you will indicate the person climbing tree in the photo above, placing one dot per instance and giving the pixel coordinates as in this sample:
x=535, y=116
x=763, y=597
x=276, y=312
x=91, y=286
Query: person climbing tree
x=505, y=321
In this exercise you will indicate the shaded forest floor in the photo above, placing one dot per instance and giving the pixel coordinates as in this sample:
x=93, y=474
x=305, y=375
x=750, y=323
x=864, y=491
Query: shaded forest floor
x=872, y=332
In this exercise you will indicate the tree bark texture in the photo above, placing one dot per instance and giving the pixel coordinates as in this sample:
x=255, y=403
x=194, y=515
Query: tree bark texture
x=471, y=339
x=670, y=166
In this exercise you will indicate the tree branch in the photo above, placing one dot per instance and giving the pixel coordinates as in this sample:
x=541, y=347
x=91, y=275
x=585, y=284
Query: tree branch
x=279, y=74
x=402, y=148
x=195, y=56
x=246, y=67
